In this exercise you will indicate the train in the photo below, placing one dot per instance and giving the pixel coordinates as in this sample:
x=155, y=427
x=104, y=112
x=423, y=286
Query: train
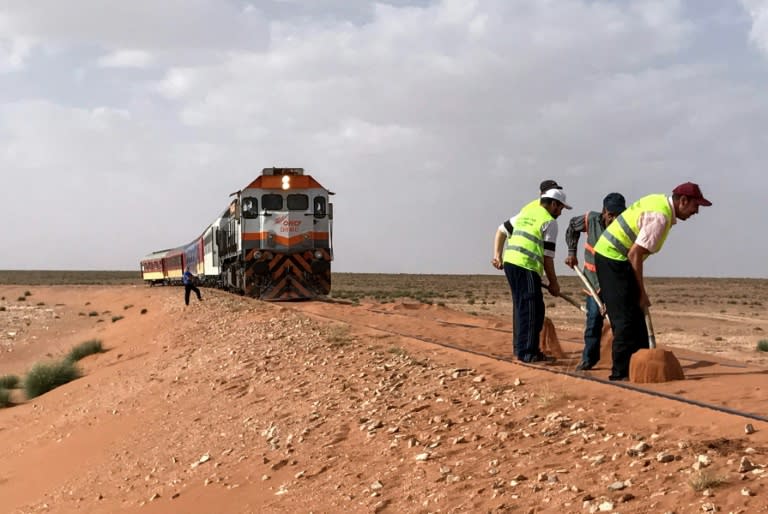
x=272, y=242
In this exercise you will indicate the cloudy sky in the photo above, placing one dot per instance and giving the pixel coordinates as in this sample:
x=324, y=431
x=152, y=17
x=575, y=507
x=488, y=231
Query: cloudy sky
x=124, y=126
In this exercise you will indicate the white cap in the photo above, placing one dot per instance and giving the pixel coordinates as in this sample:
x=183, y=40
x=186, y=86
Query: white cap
x=556, y=194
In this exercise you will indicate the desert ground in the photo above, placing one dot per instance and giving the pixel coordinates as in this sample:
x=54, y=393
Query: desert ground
x=395, y=397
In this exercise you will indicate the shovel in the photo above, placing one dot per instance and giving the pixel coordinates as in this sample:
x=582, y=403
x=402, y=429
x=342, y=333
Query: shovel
x=649, y=326
x=591, y=291
x=570, y=300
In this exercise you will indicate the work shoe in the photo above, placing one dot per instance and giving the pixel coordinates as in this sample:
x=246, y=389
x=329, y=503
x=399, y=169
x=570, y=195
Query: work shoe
x=584, y=366
x=618, y=378
x=540, y=357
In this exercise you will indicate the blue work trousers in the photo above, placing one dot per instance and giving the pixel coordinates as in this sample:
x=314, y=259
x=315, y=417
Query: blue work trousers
x=593, y=330
x=528, y=304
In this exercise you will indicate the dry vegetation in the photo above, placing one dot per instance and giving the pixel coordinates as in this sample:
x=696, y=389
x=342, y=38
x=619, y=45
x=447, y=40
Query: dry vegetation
x=59, y=277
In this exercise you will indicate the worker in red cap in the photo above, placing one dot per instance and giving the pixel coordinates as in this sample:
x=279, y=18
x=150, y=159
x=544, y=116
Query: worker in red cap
x=619, y=254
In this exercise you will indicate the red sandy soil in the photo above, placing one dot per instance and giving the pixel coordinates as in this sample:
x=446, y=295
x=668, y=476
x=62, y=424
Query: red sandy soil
x=232, y=405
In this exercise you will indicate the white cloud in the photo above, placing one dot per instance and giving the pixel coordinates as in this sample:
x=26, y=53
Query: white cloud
x=126, y=59
x=195, y=25
x=431, y=122
x=14, y=52
x=758, y=12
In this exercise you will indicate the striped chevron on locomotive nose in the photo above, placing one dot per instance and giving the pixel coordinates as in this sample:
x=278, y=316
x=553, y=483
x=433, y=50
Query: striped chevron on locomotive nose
x=294, y=276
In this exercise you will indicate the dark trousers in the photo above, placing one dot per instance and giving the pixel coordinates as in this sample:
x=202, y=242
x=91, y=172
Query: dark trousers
x=621, y=295
x=187, y=289
x=593, y=330
x=528, y=304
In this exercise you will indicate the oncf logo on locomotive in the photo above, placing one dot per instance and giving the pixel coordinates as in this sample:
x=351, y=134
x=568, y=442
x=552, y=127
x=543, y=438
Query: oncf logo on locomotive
x=287, y=225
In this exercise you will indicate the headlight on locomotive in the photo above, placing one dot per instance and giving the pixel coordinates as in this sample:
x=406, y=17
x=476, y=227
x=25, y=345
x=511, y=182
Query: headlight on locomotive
x=318, y=254
x=256, y=255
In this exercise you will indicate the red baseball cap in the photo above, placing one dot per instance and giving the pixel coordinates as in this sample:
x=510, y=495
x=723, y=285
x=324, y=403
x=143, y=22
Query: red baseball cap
x=693, y=191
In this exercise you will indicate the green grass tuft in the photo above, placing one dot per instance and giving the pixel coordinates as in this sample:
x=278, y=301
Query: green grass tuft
x=21, y=298
x=85, y=349
x=116, y=318
x=93, y=314
x=44, y=377
x=5, y=398
x=9, y=382
x=27, y=293
x=143, y=311
x=762, y=345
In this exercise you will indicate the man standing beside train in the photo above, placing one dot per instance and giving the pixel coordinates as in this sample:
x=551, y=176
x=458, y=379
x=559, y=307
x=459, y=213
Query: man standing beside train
x=529, y=253
x=619, y=254
x=189, y=280
x=593, y=223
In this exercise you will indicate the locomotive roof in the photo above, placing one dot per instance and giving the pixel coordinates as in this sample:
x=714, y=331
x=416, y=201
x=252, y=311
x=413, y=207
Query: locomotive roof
x=272, y=178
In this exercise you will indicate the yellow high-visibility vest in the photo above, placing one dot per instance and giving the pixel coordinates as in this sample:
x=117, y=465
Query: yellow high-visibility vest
x=525, y=246
x=620, y=235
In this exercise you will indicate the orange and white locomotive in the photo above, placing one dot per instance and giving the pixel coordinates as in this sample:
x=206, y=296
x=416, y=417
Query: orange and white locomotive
x=273, y=242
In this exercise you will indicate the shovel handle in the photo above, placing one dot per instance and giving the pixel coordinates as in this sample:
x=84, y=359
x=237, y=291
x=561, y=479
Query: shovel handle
x=649, y=326
x=590, y=288
x=568, y=299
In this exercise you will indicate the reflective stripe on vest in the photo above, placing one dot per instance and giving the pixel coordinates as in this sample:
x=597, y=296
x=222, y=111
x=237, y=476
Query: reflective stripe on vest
x=525, y=247
x=619, y=237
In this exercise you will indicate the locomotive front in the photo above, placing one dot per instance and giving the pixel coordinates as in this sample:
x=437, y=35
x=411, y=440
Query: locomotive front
x=276, y=239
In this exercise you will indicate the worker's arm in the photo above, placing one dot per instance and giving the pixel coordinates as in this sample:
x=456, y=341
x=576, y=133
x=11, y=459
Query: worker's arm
x=498, y=249
x=549, y=270
x=636, y=256
x=502, y=234
x=576, y=226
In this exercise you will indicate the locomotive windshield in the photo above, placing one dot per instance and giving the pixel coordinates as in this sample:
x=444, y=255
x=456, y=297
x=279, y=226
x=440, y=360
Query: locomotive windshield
x=272, y=202
x=298, y=202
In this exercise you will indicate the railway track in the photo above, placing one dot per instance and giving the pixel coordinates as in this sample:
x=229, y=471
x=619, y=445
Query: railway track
x=380, y=320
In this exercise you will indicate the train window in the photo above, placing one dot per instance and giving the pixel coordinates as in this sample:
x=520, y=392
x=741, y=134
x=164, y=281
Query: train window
x=250, y=207
x=298, y=202
x=272, y=202
x=319, y=206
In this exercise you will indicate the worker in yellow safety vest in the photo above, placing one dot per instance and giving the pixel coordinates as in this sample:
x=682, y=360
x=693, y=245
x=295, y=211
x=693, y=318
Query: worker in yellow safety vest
x=638, y=232
x=528, y=254
x=504, y=231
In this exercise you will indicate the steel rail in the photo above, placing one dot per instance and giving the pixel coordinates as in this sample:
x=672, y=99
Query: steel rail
x=580, y=376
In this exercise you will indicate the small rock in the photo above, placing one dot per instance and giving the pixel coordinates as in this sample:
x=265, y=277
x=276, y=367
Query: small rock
x=665, y=457
x=745, y=465
x=626, y=497
x=617, y=486
x=747, y=492
x=422, y=457
x=749, y=429
x=377, y=486
x=709, y=507
x=605, y=507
